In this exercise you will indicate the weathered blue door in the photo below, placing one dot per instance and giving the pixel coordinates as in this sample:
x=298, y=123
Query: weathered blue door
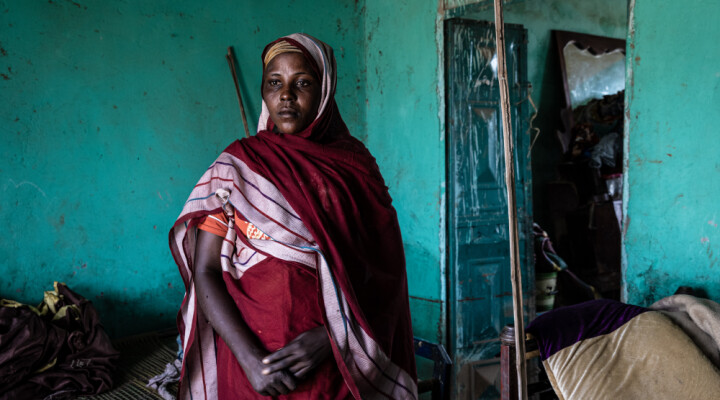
x=479, y=292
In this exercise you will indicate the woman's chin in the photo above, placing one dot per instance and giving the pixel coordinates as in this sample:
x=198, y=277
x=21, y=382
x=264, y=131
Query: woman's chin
x=288, y=129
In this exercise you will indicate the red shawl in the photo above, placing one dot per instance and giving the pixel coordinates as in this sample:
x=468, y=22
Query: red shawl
x=334, y=184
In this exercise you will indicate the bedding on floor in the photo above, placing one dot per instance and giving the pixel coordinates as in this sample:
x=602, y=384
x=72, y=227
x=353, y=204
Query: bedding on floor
x=604, y=349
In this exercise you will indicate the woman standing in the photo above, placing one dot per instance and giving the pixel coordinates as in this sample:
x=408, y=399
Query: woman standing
x=291, y=254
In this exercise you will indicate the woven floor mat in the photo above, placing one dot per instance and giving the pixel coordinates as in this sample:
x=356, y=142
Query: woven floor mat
x=141, y=358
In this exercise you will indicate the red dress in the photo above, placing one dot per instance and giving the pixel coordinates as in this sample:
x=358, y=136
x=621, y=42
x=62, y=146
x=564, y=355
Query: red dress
x=278, y=300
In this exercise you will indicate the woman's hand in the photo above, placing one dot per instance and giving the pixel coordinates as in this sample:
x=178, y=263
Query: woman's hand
x=269, y=384
x=301, y=355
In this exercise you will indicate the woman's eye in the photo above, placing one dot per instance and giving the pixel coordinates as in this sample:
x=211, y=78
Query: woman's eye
x=303, y=83
x=273, y=83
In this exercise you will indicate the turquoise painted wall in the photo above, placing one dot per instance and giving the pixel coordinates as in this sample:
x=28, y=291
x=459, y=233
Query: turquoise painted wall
x=113, y=109
x=672, y=174
x=606, y=18
x=110, y=113
x=403, y=132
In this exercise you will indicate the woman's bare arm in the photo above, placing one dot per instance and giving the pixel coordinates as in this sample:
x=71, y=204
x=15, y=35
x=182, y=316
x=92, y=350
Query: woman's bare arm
x=222, y=313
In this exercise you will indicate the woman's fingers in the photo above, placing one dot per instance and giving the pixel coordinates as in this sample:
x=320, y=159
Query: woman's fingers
x=282, y=383
x=278, y=355
x=301, y=355
x=271, y=383
x=288, y=382
x=295, y=368
x=300, y=374
x=279, y=383
x=298, y=358
x=275, y=364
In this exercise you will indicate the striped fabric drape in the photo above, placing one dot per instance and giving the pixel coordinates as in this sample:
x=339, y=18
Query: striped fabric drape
x=257, y=200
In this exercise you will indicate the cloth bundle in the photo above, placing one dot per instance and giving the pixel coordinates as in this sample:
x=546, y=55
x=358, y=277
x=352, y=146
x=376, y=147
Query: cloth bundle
x=604, y=349
x=170, y=375
x=699, y=319
x=57, y=350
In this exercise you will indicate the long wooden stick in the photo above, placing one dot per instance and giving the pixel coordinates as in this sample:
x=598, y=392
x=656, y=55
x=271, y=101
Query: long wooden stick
x=230, y=56
x=515, y=273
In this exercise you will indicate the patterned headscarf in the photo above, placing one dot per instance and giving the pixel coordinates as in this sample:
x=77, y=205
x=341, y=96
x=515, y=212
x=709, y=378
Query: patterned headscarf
x=278, y=48
x=322, y=60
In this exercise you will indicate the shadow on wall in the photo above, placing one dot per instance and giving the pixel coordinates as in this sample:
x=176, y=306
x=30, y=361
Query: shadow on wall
x=118, y=313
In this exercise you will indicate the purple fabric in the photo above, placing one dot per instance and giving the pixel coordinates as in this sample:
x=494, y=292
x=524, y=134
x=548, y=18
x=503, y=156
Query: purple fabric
x=563, y=327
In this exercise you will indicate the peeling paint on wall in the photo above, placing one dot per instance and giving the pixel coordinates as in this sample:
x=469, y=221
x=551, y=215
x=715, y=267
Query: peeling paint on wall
x=671, y=126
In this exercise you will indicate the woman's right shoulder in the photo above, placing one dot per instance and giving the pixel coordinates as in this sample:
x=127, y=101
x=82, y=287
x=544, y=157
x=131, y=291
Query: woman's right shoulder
x=246, y=148
x=236, y=143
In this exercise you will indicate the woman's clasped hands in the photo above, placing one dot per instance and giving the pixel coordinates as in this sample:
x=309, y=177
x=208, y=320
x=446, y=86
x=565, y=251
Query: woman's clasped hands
x=281, y=370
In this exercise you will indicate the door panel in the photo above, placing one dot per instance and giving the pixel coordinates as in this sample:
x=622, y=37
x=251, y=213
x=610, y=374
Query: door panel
x=480, y=294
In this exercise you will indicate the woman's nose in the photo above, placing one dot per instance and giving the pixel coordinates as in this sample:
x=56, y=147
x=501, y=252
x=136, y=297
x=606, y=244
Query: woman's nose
x=287, y=94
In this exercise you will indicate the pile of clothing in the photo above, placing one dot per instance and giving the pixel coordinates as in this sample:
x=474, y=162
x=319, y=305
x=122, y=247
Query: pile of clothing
x=57, y=350
x=597, y=133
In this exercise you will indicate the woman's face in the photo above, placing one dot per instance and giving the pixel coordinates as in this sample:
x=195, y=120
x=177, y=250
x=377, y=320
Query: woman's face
x=291, y=92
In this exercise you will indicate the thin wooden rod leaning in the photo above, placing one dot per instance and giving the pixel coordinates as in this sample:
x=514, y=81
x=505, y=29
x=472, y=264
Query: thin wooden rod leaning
x=515, y=273
x=230, y=56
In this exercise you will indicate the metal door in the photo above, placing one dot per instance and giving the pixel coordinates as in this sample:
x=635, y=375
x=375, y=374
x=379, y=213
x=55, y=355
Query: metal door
x=480, y=300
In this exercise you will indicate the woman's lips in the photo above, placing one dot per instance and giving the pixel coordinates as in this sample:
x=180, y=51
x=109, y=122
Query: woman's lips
x=288, y=113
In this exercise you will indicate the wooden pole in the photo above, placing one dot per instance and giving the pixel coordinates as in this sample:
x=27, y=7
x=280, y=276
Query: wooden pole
x=230, y=56
x=515, y=273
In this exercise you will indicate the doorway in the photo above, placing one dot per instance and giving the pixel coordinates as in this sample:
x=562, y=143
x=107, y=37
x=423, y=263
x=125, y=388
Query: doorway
x=473, y=273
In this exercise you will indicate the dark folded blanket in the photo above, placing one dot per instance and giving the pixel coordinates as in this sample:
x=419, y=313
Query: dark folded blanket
x=58, y=350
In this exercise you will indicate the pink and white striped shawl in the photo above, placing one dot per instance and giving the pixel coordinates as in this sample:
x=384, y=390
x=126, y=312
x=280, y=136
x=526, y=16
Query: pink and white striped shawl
x=368, y=371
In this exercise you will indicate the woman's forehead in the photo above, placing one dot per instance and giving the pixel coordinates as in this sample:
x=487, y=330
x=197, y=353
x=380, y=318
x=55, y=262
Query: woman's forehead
x=289, y=62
